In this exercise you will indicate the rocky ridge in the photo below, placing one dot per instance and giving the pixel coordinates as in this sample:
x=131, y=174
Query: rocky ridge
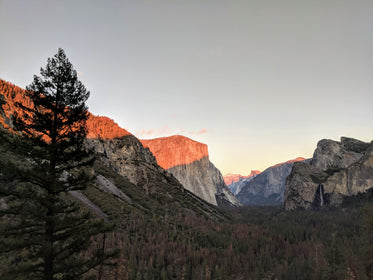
x=189, y=162
x=337, y=169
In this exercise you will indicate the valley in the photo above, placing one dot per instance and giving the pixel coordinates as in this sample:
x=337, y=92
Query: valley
x=175, y=217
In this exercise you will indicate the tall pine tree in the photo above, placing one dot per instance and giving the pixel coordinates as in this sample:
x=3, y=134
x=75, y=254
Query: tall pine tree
x=45, y=234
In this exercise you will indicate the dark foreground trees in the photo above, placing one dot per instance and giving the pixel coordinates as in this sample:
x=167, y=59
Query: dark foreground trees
x=44, y=232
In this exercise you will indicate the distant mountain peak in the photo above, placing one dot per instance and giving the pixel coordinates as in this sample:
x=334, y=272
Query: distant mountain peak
x=231, y=178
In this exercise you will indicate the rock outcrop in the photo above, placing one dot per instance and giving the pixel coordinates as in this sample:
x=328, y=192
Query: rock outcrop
x=189, y=162
x=127, y=156
x=302, y=184
x=331, y=154
x=267, y=188
x=337, y=169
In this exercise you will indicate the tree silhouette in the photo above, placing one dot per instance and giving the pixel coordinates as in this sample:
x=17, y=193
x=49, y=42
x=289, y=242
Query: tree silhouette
x=44, y=231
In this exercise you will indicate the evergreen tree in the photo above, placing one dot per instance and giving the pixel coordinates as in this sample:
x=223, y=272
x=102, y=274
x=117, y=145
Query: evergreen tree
x=44, y=233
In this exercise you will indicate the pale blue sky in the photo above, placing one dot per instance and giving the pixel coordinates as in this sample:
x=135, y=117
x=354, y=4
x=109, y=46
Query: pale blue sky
x=259, y=81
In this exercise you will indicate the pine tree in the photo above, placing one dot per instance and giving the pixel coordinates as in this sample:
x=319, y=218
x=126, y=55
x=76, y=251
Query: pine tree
x=44, y=233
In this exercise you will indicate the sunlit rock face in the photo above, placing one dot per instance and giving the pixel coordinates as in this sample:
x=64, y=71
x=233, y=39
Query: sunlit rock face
x=337, y=169
x=97, y=126
x=12, y=95
x=267, y=188
x=176, y=150
x=104, y=128
x=188, y=161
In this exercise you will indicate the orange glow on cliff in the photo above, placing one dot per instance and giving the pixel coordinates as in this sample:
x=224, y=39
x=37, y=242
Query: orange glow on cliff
x=175, y=150
x=12, y=95
x=97, y=126
x=289, y=161
x=232, y=178
x=104, y=128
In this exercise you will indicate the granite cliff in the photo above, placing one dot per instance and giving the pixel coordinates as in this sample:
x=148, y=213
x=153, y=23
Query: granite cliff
x=337, y=169
x=267, y=188
x=188, y=161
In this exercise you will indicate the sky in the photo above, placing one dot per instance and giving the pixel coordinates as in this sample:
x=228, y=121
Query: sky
x=260, y=82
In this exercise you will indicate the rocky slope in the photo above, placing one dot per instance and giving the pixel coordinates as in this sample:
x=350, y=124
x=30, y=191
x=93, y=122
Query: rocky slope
x=337, y=169
x=127, y=157
x=189, y=162
x=267, y=188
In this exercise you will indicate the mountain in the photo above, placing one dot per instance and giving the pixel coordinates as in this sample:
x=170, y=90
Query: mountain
x=188, y=161
x=337, y=170
x=267, y=188
x=114, y=146
x=235, y=181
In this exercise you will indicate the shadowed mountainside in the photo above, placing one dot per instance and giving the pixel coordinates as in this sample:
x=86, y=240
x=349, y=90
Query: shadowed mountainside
x=267, y=188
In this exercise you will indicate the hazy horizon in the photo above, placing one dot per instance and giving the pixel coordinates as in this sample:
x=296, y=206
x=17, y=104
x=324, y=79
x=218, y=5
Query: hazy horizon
x=259, y=82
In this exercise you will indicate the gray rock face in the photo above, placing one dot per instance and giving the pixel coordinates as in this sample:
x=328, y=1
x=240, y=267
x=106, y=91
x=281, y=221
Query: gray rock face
x=267, y=188
x=236, y=187
x=301, y=185
x=337, y=169
x=128, y=157
x=203, y=179
x=331, y=154
x=356, y=178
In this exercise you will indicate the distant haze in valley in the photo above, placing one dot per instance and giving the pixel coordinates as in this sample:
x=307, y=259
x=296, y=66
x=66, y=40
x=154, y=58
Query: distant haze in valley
x=259, y=82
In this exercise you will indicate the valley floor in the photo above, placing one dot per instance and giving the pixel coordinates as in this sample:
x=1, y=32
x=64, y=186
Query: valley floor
x=253, y=243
